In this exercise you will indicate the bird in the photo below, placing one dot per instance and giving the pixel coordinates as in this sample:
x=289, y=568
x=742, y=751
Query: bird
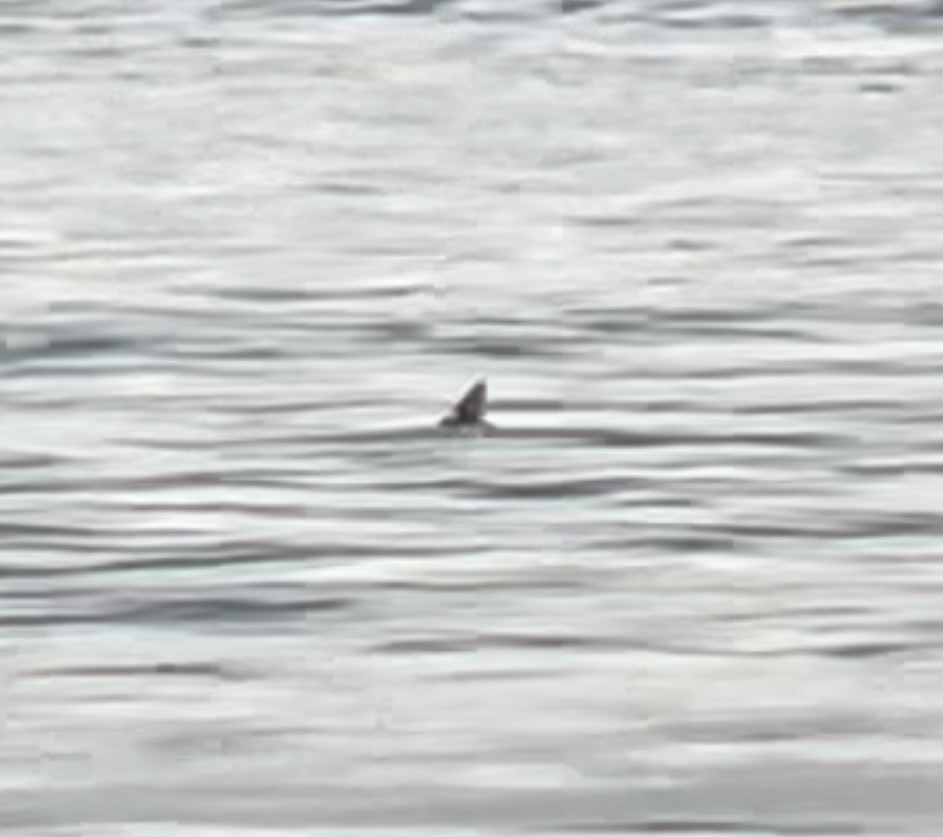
x=469, y=412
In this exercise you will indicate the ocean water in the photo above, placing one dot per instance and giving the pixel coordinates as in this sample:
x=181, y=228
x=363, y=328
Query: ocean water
x=251, y=251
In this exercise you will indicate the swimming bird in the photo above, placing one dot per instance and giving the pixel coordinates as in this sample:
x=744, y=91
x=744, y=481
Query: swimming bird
x=469, y=412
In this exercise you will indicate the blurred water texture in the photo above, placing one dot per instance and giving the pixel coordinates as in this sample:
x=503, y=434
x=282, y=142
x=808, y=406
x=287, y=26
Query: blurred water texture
x=250, y=251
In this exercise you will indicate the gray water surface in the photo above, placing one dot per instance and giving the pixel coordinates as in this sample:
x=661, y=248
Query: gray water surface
x=251, y=251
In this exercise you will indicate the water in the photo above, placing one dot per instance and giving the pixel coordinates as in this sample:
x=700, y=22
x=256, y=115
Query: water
x=249, y=254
